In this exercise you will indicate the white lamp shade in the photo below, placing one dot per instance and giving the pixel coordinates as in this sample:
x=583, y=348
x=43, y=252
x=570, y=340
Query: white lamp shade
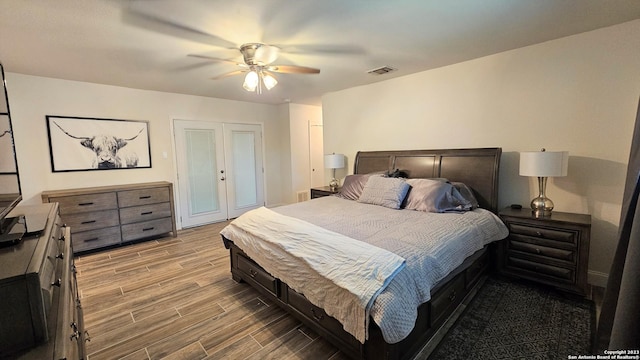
x=334, y=161
x=544, y=163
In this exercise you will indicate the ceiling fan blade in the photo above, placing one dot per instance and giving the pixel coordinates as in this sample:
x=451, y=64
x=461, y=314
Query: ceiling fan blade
x=140, y=15
x=232, y=73
x=292, y=69
x=217, y=59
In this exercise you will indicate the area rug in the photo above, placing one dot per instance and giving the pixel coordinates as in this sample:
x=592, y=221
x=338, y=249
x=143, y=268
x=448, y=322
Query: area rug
x=518, y=320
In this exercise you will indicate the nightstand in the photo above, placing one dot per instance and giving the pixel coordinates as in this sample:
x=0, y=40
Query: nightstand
x=322, y=191
x=552, y=250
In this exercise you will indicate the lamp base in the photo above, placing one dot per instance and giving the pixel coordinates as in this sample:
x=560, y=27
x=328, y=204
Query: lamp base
x=333, y=185
x=541, y=206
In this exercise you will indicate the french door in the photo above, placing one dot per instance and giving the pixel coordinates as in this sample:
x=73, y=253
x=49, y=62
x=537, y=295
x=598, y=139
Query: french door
x=220, y=174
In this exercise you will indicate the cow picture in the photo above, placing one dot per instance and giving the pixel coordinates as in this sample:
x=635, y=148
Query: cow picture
x=98, y=144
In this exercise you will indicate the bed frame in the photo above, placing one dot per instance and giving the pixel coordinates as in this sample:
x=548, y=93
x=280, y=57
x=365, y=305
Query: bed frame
x=479, y=169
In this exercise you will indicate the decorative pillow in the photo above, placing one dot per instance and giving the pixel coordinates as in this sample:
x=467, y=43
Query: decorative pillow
x=464, y=190
x=435, y=196
x=397, y=173
x=353, y=185
x=466, y=193
x=387, y=192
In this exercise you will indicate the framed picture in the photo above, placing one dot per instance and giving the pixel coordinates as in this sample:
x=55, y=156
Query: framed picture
x=83, y=144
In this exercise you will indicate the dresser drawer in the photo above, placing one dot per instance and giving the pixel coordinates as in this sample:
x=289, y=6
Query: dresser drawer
x=534, y=268
x=145, y=229
x=83, y=203
x=146, y=212
x=143, y=196
x=92, y=220
x=94, y=239
x=50, y=274
x=543, y=233
x=551, y=252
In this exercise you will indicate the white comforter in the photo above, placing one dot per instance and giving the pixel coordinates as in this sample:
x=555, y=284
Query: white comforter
x=346, y=274
x=432, y=244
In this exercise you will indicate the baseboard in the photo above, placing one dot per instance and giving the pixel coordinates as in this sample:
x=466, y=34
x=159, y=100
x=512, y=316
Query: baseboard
x=274, y=205
x=597, y=278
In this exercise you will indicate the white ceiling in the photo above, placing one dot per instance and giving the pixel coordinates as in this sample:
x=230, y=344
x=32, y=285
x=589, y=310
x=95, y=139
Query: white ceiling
x=144, y=43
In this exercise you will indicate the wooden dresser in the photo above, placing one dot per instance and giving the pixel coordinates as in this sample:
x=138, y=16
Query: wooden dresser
x=40, y=310
x=553, y=250
x=111, y=215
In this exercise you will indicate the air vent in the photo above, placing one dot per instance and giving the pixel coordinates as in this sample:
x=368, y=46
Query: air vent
x=302, y=196
x=381, y=70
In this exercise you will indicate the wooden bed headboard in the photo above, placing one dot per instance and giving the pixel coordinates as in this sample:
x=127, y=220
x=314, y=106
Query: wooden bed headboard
x=478, y=168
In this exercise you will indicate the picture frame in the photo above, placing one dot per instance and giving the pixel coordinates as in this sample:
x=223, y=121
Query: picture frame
x=88, y=144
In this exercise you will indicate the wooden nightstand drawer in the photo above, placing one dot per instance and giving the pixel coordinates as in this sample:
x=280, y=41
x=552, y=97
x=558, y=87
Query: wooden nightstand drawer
x=543, y=233
x=535, y=268
x=541, y=250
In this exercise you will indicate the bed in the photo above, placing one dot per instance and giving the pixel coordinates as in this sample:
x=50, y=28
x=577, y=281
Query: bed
x=477, y=168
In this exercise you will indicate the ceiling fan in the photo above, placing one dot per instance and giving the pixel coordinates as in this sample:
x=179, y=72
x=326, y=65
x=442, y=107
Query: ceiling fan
x=258, y=59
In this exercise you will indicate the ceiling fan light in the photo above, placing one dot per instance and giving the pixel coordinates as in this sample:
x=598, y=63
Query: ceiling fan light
x=250, y=81
x=269, y=81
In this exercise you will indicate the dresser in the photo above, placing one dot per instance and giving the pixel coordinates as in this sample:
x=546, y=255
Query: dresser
x=553, y=250
x=111, y=215
x=40, y=310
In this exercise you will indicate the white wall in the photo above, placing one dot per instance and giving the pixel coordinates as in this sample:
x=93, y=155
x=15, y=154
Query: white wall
x=578, y=93
x=32, y=97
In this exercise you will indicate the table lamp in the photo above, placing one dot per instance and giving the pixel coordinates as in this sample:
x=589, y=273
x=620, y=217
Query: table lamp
x=334, y=161
x=543, y=164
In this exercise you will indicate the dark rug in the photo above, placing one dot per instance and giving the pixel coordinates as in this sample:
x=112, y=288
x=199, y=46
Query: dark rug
x=519, y=320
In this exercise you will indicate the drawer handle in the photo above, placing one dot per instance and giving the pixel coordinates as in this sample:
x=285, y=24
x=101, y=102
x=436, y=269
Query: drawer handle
x=537, y=251
x=85, y=204
x=57, y=283
x=149, y=228
x=146, y=213
x=253, y=273
x=316, y=316
x=452, y=296
x=88, y=222
x=91, y=239
x=60, y=256
x=75, y=336
x=61, y=238
x=74, y=326
x=539, y=233
x=145, y=197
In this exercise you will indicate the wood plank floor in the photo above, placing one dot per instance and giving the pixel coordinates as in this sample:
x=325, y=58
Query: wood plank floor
x=173, y=298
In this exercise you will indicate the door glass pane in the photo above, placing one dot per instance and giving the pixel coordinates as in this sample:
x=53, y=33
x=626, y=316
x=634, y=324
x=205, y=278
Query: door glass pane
x=202, y=168
x=244, y=165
